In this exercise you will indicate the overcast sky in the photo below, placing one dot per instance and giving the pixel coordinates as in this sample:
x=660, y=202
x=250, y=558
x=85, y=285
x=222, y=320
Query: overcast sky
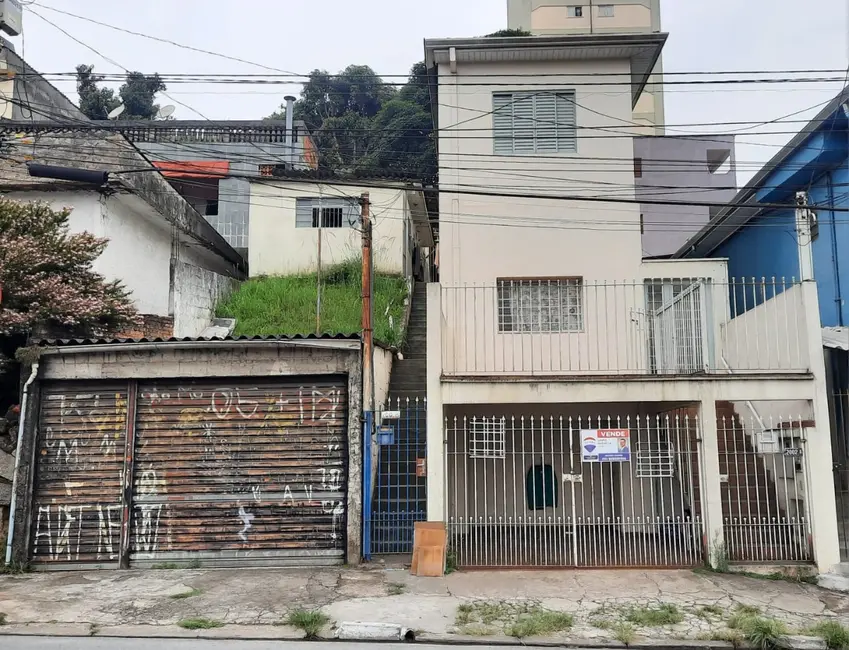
x=301, y=35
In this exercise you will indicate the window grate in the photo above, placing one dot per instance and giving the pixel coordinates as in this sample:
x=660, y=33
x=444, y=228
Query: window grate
x=330, y=217
x=487, y=438
x=546, y=306
x=655, y=460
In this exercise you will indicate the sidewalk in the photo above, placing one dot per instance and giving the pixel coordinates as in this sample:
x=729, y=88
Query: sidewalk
x=253, y=603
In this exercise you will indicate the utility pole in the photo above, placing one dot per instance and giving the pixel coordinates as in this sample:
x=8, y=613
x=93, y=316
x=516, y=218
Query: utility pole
x=318, y=271
x=368, y=372
x=368, y=307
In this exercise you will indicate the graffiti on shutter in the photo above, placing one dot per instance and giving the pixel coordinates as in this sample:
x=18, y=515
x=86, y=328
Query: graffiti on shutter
x=76, y=512
x=241, y=470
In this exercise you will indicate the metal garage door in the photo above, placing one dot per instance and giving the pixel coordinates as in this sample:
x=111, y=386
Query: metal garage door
x=76, y=512
x=241, y=471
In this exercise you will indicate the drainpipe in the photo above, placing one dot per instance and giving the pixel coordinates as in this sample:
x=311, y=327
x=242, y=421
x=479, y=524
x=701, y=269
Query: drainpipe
x=21, y=424
x=290, y=131
x=838, y=293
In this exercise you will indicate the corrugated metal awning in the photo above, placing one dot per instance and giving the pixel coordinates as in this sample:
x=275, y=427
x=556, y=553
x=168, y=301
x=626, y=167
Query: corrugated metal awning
x=836, y=338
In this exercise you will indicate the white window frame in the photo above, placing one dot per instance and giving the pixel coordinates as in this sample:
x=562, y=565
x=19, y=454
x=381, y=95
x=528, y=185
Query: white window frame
x=606, y=11
x=488, y=438
x=540, y=122
x=575, y=11
x=540, y=305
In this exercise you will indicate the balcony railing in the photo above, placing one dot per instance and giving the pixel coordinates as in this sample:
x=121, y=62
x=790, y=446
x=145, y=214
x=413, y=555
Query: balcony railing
x=568, y=326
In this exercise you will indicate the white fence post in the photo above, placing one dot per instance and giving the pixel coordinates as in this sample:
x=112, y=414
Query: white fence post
x=711, y=491
x=435, y=434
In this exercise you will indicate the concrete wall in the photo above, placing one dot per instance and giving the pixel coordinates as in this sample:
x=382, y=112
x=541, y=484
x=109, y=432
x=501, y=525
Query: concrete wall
x=139, y=254
x=672, y=161
x=278, y=247
x=41, y=100
x=382, y=374
x=215, y=360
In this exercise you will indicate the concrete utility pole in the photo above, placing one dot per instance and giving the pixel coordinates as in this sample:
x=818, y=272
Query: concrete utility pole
x=318, y=271
x=368, y=307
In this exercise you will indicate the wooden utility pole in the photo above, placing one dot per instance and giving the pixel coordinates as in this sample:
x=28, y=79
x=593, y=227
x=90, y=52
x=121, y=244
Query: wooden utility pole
x=368, y=306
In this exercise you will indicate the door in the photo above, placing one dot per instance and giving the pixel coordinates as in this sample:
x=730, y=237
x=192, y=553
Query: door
x=79, y=464
x=241, y=471
x=678, y=334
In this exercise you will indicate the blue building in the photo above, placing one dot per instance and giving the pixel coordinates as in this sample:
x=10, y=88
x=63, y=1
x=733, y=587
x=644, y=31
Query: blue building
x=762, y=242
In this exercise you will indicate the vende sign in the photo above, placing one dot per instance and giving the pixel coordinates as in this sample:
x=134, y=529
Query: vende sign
x=606, y=445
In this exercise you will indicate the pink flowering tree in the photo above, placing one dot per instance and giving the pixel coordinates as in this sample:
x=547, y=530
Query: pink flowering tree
x=46, y=275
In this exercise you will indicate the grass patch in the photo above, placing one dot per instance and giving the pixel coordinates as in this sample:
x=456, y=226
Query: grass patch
x=763, y=633
x=734, y=637
x=311, y=622
x=540, y=622
x=287, y=304
x=836, y=636
x=15, y=568
x=396, y=588
x=741, y=614
x=450, y=561
x=194, y=564
x=186, y=594
x=93, y=629
x=476, y=629
x=199, y=623
x=624, y=632
x=707, y=612
x=3, y=620
x=655, y=616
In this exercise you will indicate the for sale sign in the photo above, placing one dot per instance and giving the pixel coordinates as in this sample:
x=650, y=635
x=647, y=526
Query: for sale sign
x=606, y=445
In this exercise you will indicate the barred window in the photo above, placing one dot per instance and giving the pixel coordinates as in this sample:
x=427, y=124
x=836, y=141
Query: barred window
x=315, y=212
x=655, y=460
x=534, y=122
x=487, y=438
x=546, y=305
x=330, y=217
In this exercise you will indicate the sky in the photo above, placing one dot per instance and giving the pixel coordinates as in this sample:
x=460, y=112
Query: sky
x=302, y=35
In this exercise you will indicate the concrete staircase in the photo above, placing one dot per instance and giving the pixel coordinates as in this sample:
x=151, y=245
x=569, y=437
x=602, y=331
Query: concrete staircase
x=400, y=497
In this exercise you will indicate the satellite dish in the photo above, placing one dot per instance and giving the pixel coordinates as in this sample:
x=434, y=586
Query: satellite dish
x=115, y=112
x=166, y=111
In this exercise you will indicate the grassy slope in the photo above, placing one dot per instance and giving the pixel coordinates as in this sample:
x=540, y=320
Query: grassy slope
x=286, y=305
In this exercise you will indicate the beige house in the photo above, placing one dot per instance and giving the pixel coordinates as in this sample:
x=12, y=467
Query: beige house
x=587, y=407
x=556, y=17
x=287, y=218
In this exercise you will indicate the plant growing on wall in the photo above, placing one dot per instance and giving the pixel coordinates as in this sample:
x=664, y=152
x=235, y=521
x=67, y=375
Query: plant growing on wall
x=47, y=278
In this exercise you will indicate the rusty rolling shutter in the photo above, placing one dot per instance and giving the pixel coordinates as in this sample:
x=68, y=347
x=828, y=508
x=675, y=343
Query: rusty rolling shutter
x=79, y=460
x=241, y=471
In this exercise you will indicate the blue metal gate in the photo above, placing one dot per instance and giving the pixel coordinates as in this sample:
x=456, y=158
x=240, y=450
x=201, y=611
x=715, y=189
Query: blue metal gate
x=398, y=496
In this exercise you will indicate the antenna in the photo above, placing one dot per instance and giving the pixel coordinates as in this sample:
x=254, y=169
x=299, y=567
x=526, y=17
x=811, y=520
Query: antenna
x=166, y=111
x=115, y=112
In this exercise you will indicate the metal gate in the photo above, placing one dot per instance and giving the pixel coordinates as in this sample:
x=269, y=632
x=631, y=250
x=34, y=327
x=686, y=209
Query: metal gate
x=79, y=463
x=532, y=491
x=764, y=488
x=399, y=495
x=226, y=472
x=678, y=337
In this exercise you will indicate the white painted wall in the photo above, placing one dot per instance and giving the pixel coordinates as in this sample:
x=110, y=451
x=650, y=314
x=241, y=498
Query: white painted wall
x=138, y=253
x=382, y=374
x=278, y=247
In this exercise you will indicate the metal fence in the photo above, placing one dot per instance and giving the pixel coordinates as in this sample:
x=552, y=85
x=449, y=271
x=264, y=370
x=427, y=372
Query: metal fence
x=601, y=491
x=563, y=326
x=399, y=494
x=764, y=488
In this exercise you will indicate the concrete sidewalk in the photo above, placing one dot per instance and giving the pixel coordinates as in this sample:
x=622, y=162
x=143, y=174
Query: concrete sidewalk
x=253, y=603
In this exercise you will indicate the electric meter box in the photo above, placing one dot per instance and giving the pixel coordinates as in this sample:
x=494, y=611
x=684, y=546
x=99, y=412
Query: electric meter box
x=11, y=17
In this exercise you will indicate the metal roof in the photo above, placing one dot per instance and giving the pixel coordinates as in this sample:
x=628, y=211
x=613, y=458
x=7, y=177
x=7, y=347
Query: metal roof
x=836, y=338
x=129, y=341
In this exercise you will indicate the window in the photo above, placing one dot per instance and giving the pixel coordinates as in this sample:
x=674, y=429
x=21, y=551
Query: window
x=605, y=11
x=534, y=122
x=638, y=167
x=546, y=305
x=575, y=12
x=541, y=487
x=486, y=438
x=655, y=460
x=313, y=212
x=330, y=217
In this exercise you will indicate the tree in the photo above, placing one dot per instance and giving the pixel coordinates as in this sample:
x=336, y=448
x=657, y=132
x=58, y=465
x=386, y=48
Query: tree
x=501, y=33
x=47, y=278
x=138, y=94
x=95, y=102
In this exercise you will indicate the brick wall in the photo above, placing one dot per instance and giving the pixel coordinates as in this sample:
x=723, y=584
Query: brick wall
x=149, y=326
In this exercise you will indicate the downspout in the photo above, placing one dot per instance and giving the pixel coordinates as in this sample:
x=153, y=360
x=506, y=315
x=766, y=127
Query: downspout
x=21, y=424
x=838, y=293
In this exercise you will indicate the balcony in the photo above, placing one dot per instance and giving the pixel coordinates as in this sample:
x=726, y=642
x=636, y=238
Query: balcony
x=651, y=327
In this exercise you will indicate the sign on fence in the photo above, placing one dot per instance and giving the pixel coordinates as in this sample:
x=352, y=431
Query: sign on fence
x=606, y=445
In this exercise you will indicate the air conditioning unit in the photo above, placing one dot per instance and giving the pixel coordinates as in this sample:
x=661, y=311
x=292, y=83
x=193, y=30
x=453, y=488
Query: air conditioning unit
x=11, y=17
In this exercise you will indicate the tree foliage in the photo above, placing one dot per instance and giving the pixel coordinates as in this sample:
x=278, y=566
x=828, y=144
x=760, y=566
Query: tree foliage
x=47, y=278
x=502, y=33
x=138, y=95
x=363, y=125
